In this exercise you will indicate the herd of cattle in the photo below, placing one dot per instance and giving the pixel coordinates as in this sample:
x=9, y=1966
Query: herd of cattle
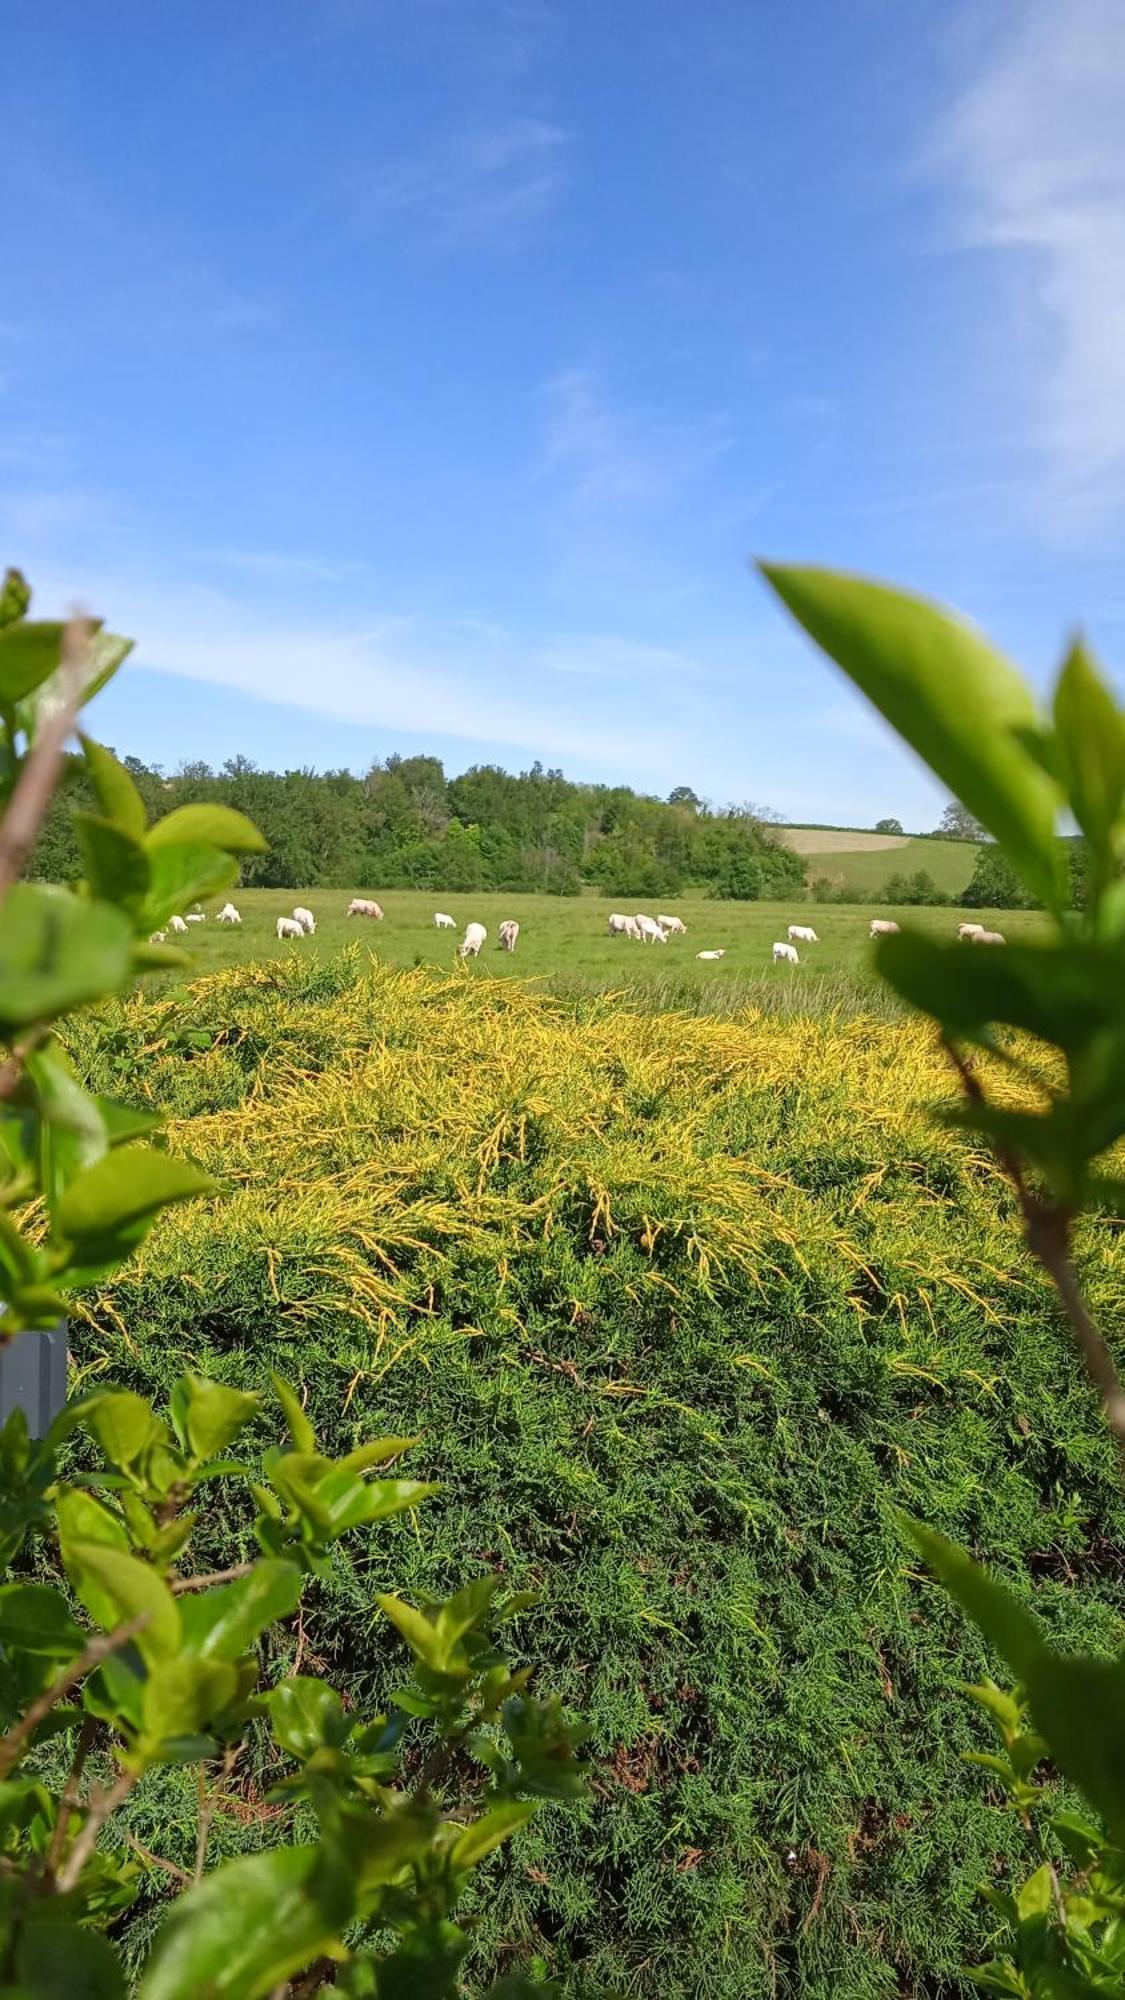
x=647, y=930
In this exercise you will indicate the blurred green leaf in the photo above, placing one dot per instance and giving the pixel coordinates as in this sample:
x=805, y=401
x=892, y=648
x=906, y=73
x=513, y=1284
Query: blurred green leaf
x=115, y=864
x=29, y=654
x=1090, y=735
x=117, y=795
x=1079, y=1705
x=947, y=691
x=181, y=875
x=37, y=1618
x=208, y=1415
x=128, y=1187
x=61, y=1961
x=15, y=596
x=182, y=1696
x=105, y=653
x=1015, y=1633
x=124, y=1424
x=57, y=952
x=210, y=826
x=247, y=1927
x=1064, y=993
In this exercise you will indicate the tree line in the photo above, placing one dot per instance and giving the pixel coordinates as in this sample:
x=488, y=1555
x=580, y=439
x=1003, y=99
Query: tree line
x=405, y=825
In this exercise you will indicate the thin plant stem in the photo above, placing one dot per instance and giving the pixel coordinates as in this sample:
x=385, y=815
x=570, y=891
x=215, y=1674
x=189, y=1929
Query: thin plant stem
x=179, y=1584
x=102, y=1806
x=32, y=795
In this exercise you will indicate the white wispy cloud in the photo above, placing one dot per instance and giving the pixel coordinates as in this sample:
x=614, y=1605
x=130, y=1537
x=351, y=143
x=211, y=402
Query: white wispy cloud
x=484, y=186
x=617, y=457
x=1033, y=146
x=280, y=566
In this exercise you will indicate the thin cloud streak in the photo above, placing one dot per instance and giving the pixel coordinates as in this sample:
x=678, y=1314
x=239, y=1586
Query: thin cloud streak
x=622, y=458
x=485, y=188
x=1033, y=149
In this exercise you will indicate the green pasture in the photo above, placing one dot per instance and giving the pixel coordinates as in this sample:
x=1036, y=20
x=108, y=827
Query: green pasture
x=564, y=940
x=949, y=862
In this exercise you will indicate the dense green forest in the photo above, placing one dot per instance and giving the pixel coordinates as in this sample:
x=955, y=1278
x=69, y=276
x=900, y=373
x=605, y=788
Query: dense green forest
x=405, y=825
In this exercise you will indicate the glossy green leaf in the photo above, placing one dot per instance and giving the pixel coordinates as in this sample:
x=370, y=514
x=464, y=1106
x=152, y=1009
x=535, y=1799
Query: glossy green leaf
x=37, y=1618
x=58, y=952
x=182, y=1696
x=73, y=1132
x=117, y=795
x=300, y=1429
x=949, y=693
x=224, y=1622
x=181, y=875
x=29, y=654
x=421, y=1636
x=101, y=1574
x=467, y=1609
x=208, y=1415
x=131, y=1184
x=248, y=1927
x=124, y=1425
x=114, y=862
x=490, y=1831
x=1006, y=1624
x=1090, y=738
x=210, y=826
x=307, y=1715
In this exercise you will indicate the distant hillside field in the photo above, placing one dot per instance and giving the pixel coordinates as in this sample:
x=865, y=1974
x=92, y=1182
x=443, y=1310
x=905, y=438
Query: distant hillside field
x=837, y=855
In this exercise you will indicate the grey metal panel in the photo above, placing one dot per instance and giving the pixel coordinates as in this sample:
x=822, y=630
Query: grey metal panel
x=33, y=1377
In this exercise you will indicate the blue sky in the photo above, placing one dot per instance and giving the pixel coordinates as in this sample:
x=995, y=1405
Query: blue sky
x=421, y=374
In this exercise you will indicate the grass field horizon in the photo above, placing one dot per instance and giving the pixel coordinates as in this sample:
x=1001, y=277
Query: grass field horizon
x=861, y=860
x=565, y=939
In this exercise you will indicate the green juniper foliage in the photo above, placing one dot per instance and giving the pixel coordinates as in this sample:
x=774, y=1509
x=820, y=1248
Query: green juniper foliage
x=1055, y=1009
x=120, y=1660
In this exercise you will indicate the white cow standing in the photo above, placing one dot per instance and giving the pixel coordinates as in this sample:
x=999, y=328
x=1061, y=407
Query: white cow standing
x=288, y=927
x=158, y=937
x=444, y=922
x=802, y=934
x=882, y=927
x=672, y=926
x=509, y=932
x=306, y=920
x=785, y=953
x=363, y=906
x=228, y=915
x=618, y=925
x=472, y=941
x=649, y=930
x=176, y=924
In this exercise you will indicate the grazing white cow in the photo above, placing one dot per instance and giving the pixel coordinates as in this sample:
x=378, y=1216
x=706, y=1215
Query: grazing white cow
x=196, y=917
x=176, y=924
x=786, y=953
x=988, y=937
x=444, y=922
x=228, y=915
x=306, y=920
x=288, y=927
x=672, y=926
x=472, y=941
x=711, y=954
x=362, y=906
x=882, y=927
x=802, y=934
x=967, y=931
x=158, y=937
x=618, y=925
x=649, y=930
x=509, y=932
